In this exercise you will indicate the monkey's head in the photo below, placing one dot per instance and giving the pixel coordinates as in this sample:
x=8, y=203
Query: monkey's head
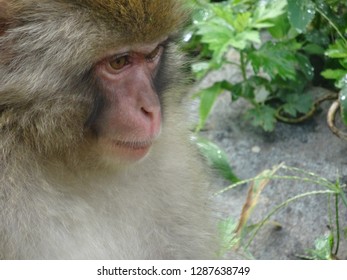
x=91, y=73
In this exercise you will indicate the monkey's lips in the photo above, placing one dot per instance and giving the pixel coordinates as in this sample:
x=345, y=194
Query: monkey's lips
x=129, y=150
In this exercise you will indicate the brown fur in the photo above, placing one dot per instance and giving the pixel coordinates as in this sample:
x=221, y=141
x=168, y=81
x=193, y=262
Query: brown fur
x=58, y=197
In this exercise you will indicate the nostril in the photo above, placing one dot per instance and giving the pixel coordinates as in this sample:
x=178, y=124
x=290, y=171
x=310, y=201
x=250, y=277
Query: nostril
x=151, y=120
x=152, y=110
x=151, y=113
x=145, y=112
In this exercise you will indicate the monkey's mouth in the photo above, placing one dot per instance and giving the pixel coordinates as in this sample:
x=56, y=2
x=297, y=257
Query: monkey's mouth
x=126, y=150
x=133, y=145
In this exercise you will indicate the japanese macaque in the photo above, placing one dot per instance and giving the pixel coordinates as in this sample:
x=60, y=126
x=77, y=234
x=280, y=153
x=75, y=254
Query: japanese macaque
x=95, y=156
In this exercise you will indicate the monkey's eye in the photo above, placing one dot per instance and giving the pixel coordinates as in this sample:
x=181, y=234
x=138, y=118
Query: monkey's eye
x=153, y=55
x=119, y=62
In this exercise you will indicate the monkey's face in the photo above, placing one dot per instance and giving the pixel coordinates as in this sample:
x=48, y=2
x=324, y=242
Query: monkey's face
x=96, y=77
x=130, y=118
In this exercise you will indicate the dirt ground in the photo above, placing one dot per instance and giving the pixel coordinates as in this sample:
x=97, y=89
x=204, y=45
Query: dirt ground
x=309, y=146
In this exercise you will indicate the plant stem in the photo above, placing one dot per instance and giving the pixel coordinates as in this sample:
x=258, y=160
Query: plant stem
x=319, y=181
x=332, y=24
x=337, y=224
x=330, y=216
x=243, y=65
x=305, y=172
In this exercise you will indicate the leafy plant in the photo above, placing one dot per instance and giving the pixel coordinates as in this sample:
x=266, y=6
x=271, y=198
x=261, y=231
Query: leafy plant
x=323, y=248
x=338, y=51
x=280, y=51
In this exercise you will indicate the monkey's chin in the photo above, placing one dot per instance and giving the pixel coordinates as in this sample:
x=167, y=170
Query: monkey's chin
x=125, y=151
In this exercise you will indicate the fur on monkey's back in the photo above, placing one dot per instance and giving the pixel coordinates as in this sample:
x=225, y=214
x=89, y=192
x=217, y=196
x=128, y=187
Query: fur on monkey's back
x=156, y=209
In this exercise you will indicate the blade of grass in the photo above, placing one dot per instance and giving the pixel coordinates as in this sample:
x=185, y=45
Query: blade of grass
x=256, y=187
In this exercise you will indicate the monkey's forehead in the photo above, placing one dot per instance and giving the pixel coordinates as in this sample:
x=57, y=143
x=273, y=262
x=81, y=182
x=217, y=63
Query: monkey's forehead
x=76, y=33
x=130, y=20
x=139, y=18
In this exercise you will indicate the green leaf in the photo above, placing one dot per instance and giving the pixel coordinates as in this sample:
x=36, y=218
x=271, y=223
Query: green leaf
x=297, y=103
x=226, y=29
x=265, y=13
x=243, y=89
x=314, y=49
x=342, y=83
x=242, y=21
x=343, y=104
x=280, y=27
x=216, y=158
x=245, y=37
x=334, y=74
x=337, y=50
x=275, y=59
x=207, y=99
x=263, y=116
x=323, y=248
x=305, y=66
x=217, y=34
x=225, y=12
x=301, y=13
x=343, y=62
x=290, y=109
x=201, y=15
x=254, y=88
x=318, y=37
